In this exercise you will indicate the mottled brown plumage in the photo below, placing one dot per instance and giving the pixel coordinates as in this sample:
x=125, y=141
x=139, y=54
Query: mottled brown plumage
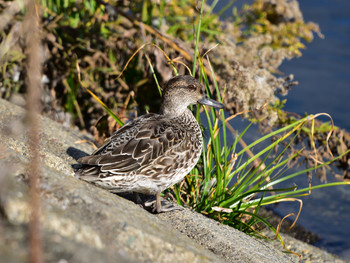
x=154, y=151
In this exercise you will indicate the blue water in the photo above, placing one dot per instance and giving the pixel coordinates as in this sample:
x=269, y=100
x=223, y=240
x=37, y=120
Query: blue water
x=323, y=73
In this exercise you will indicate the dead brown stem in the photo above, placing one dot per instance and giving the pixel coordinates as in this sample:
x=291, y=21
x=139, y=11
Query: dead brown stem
x=34, y=54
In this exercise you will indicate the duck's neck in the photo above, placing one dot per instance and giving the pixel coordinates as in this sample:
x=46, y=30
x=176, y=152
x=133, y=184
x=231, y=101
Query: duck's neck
x=175, y=111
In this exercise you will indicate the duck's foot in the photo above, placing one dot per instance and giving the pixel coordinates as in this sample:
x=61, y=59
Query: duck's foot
x=154, y=204
x=158, y=205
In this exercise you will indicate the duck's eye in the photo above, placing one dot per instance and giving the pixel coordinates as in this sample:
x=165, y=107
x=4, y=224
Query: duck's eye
x=191, y=87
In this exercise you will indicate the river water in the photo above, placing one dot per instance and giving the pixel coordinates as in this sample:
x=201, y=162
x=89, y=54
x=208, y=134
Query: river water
x=324, y=69
x=323, y=73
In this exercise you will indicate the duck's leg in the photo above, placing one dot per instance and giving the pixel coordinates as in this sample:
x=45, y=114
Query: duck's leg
x=166, y=207
x=158, y=207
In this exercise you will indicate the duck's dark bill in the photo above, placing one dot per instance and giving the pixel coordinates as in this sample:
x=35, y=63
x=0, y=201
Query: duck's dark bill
x=211, y=103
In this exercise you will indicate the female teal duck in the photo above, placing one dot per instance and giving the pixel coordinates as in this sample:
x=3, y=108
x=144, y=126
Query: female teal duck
x=154, y=151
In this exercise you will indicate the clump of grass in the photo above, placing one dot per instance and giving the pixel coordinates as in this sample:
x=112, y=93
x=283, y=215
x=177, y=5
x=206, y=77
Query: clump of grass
x=285, y=30
x=230, y=187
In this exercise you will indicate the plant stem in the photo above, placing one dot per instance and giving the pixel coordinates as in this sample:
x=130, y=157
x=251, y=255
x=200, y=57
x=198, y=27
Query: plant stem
x=197, y=39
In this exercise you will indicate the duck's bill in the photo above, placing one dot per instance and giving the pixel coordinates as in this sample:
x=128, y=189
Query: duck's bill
x=211, y=103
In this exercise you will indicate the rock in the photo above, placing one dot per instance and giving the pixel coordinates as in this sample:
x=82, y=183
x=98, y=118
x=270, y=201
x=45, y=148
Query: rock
x=223, y=240
x=83, y=223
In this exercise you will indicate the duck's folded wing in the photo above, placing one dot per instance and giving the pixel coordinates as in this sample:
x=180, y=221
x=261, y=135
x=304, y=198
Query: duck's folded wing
x=128, y=152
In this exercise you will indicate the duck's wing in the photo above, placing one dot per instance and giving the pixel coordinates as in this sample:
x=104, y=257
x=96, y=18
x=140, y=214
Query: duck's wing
x=134, y=145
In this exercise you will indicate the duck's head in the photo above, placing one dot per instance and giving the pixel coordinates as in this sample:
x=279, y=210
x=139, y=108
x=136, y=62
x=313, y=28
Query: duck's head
x=180, y=92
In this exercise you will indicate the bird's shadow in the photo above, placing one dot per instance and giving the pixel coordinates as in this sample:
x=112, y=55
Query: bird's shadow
x=76, y=154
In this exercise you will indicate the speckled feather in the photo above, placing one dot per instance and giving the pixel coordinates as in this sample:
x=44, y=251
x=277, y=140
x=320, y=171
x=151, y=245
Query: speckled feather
x=145, y=155
x=154, y=151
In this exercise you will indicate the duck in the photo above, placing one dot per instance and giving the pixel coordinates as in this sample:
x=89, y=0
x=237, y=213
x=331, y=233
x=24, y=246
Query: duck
x=154, y=151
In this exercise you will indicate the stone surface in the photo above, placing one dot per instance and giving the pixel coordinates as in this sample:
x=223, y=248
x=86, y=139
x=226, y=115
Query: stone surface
x=223, y=240
x=83, y=223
